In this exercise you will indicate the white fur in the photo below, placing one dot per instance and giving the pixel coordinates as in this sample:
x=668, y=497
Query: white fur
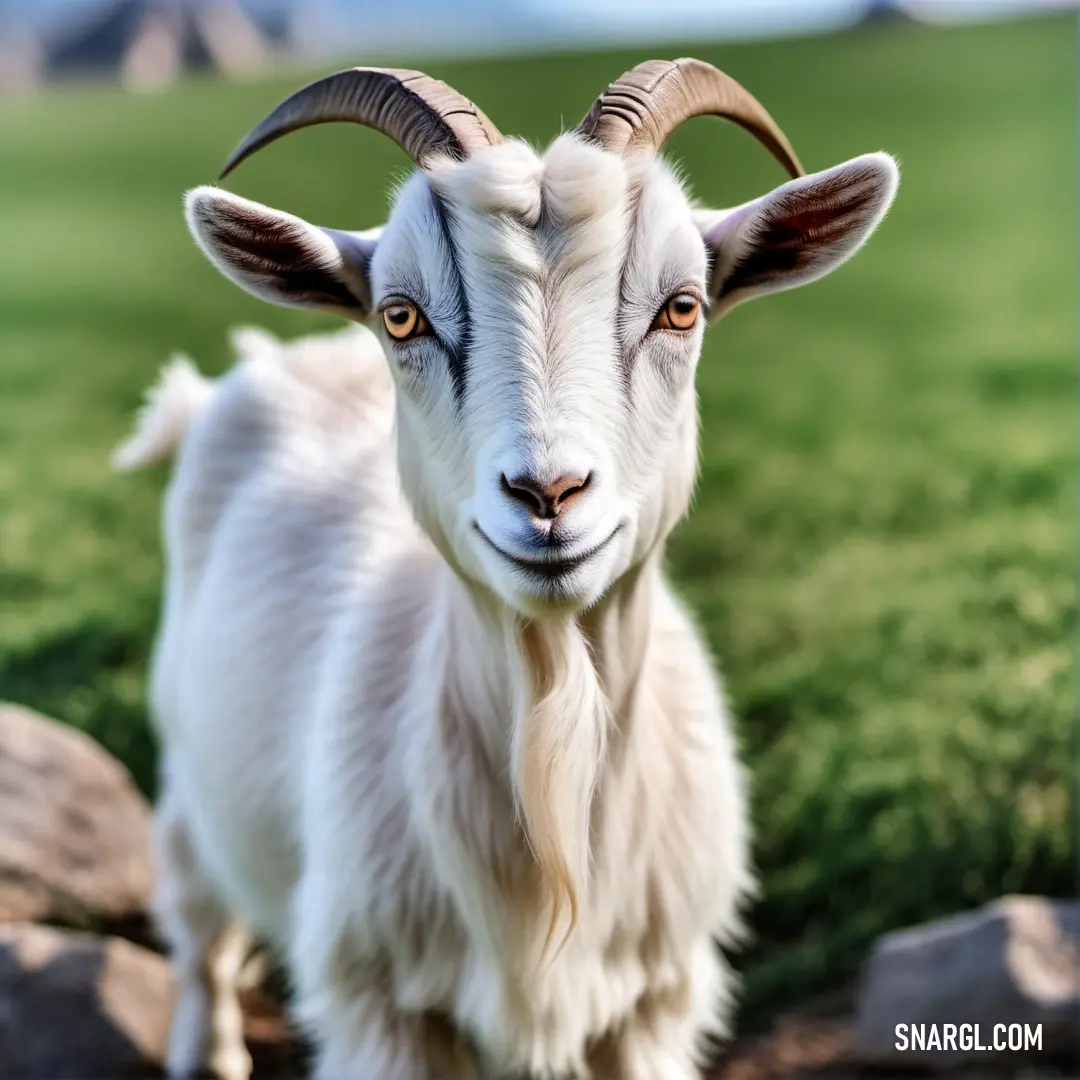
x=170, y=405
x=495, y=826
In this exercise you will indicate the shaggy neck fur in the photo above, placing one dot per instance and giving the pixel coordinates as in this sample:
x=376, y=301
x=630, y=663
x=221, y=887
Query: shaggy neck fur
x=568, y=682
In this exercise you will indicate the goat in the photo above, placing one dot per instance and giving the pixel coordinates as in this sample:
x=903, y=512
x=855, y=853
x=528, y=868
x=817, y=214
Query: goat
x=433, y=722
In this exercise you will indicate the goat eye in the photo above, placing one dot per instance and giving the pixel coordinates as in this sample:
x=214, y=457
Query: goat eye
x=679, y=313
x=404, y=321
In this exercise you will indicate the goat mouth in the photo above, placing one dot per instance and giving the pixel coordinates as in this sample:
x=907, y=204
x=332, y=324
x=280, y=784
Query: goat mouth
x=550, y=568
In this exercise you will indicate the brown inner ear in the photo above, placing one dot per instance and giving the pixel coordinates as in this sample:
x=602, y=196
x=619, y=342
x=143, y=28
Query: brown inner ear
x=262, y=246
x=781, y=248
x=790, y=239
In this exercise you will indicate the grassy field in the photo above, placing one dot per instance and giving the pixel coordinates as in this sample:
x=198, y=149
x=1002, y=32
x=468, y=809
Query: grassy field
x=882, y=546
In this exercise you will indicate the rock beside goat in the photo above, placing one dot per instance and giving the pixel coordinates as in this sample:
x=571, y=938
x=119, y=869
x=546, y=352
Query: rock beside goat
x=1013, y=962
x=75, y=1006
x=74, y=830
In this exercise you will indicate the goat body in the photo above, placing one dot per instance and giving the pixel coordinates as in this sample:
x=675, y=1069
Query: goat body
x=433, y=723
x=337, y=708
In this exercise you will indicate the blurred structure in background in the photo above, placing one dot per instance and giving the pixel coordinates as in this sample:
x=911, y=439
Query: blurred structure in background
x=22, y=60
x=147, y=44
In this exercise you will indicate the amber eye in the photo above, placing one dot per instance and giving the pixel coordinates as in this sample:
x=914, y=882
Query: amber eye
x=679, y=313
x=404, y=321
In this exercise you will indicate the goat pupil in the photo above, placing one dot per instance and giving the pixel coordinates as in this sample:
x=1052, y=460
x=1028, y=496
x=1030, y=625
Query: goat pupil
x=399, y=316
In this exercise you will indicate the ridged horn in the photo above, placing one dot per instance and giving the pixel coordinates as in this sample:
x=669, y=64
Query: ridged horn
x=643, y=107
x=422, y=115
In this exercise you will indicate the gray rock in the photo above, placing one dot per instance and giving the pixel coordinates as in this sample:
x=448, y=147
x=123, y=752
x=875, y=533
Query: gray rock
x=1014, y=962
x=74, y=830
x=78, y=1007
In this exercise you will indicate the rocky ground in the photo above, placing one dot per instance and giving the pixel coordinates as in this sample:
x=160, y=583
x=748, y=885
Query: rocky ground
x=85, y=992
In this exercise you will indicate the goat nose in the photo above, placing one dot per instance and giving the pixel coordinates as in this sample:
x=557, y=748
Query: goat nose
x=545, y=500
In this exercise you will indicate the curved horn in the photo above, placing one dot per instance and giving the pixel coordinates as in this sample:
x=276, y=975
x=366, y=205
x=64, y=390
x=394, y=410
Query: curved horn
x=644, y=106
x=422, y=115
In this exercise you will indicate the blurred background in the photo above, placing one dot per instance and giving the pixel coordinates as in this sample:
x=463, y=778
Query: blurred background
x=882, y=546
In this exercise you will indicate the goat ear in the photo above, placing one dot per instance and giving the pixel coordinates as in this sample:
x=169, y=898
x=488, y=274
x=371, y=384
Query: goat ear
x=797, y=233
x=281, y=258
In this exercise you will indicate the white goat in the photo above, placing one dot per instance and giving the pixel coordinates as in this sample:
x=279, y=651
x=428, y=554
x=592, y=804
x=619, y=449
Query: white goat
x=433, y=723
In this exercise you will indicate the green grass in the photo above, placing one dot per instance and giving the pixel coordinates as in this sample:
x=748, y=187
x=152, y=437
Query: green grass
x=881, y=550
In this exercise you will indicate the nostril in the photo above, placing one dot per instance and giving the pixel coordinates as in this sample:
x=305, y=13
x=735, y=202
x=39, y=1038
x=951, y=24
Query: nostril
x=566, y=487
x=545, y=500
x=524, y=491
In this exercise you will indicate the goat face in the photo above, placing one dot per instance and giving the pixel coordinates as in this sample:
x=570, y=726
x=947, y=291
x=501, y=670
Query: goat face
x=543, y=318
x=545, y=398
